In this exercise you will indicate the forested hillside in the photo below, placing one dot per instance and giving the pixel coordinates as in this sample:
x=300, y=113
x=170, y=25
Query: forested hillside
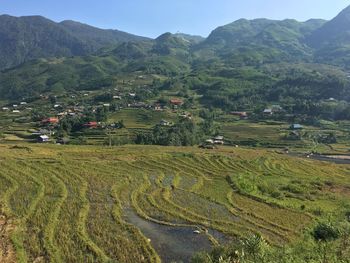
x=31, y=37
x=240, y=65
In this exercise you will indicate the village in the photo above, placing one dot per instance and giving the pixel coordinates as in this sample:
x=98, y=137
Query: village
x=96, y=114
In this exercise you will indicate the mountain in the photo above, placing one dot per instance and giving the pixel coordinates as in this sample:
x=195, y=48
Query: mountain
x=97, y=37
x=261, y=41
x=168, y=43
x=333, y=33
x=332, y=40
x=244, y=62
x=193, y=39
x=166, y=56
x=31, y=37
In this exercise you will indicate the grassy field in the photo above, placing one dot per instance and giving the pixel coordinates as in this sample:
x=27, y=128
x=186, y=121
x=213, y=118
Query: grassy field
x=67, y=203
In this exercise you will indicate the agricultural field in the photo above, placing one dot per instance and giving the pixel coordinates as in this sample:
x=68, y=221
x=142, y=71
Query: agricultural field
x=156, y=204
x=272, y=134
x=141, y=118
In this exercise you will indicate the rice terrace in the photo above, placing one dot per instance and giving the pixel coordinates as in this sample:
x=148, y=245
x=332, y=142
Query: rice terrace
x=124, y=142
x=94, y=204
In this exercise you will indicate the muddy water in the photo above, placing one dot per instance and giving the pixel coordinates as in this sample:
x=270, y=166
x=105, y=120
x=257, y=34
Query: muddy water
x=333, y=159
x=337, y=159
x=173, y=244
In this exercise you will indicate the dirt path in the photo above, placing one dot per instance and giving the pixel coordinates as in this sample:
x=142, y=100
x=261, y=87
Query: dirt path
x=7, y=254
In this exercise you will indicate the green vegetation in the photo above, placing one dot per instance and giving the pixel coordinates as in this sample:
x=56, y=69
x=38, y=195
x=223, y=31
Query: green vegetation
x=34, y=37
x=326, y=243
x=245, y=65
x=268, y=88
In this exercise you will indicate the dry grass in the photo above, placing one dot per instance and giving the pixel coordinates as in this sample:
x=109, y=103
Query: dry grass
x=67, y=202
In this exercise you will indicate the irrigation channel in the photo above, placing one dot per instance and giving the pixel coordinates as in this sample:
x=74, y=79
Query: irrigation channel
x=173, y=244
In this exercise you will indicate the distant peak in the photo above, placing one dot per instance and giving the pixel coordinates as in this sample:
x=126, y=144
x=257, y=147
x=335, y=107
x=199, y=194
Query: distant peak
x=346, y=10
x=69, y=22
x=164, y=36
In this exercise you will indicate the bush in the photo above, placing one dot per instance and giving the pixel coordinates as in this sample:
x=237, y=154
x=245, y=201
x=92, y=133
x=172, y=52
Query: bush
x=325, y=232
x=117, y=141
x=81, y=140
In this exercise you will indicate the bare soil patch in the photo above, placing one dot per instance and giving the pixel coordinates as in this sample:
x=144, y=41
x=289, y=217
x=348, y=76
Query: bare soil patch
x=7, y=254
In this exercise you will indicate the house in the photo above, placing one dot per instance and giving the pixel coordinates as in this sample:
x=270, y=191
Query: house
x=23, y=103
x=296, y=127
x=186, y=115
x=15, y=111
x=45, y=97
x=164, y=123
x=43, y=138
x=241, y=114
x=138, y=105
x=176, y=102
x=51, y=120
x=117, y=97
x=268, y=111
x=132, y=95
x=61, y=114
x=78, y=108
x=106, y=105
x=91, y=125
x=157, y=107
x=219, y=138
x=276, y=108
x=5, y=108
x=209, y=141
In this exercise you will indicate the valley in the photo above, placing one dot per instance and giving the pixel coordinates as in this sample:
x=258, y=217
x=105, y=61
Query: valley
x=230, y=148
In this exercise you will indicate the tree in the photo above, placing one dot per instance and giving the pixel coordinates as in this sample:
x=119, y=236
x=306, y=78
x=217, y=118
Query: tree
x=101, y=114
x=255, y=247
x=324, y=233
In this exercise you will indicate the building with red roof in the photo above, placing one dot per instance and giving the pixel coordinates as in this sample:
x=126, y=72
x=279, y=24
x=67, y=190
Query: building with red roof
x=176, y=102
x=51, y=120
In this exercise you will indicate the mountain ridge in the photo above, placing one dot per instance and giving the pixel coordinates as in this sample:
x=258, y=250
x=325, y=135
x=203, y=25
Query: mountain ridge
x=244, y=53
x=31, y=37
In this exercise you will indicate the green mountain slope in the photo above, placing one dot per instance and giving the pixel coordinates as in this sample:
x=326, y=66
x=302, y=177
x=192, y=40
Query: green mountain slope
x=96, y=37
x=242, y=64
x=259, y=41
x=31, y=37
x=332, y=40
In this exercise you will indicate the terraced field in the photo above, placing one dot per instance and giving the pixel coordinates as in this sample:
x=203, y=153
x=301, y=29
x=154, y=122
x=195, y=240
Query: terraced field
x=80, y=204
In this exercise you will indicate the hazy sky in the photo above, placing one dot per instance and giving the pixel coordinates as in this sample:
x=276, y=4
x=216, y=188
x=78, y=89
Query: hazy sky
x=154, y=17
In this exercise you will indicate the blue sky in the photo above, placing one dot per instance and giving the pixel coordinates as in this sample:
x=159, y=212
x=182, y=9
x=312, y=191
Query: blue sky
x=154, y=17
